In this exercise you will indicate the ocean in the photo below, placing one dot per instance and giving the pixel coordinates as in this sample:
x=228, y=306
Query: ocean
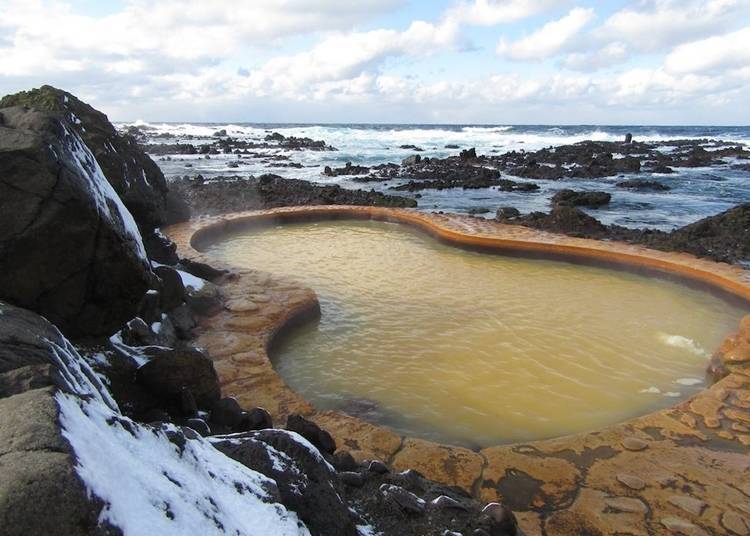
x=695, y=192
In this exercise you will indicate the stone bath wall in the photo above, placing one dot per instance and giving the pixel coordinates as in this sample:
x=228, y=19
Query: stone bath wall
x=681, y=470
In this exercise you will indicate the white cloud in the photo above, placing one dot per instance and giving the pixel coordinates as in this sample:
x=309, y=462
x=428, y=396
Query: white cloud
x=718, y=53
x=344, y=57
x=596, y=59
x=550, y=39
x=660, y=24
x=49, y=36
x=194, y=57
x=492, y=13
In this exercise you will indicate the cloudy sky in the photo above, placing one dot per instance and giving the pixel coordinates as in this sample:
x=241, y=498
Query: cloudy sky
x=438, y=61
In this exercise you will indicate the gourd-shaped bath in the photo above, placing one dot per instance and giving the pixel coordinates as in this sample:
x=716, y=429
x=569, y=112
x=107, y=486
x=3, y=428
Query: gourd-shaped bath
x=479, y=349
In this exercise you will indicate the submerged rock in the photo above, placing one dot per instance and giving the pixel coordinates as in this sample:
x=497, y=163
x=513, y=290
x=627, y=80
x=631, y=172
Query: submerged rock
x=641, y=184
x=69, y=249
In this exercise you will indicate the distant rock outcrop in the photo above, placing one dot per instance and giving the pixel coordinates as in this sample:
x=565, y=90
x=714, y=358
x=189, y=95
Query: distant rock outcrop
x=69, y=249
x=135, y=177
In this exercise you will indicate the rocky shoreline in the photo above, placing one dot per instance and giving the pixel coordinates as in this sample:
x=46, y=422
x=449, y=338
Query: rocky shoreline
x=724, y=237
x=232, y=194
x=111, y=420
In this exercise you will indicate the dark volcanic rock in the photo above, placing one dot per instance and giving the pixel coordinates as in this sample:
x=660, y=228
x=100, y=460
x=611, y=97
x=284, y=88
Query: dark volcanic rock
x=507, y=213
x=298, y=144
x=724, y=237
x=563, y=219
x=307, y=484
x=227, y=194
x=134, y=176
x=570, y=198
x=171, y=370
x=69, y=249
x=348, y=169
x=312, y=432
x=642, y=184
x=172, y=288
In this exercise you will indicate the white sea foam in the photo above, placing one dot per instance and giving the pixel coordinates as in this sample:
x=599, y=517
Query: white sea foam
x=678, y=341
x=688, y=381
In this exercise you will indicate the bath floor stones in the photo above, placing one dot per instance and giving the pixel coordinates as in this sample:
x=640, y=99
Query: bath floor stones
x=683, y=470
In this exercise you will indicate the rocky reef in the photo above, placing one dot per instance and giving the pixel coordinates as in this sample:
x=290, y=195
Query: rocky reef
x=232, y=194
x=724, y=237
x=112, y=421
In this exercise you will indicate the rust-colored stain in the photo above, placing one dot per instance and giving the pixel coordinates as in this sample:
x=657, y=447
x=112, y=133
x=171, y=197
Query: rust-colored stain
x=681, y=470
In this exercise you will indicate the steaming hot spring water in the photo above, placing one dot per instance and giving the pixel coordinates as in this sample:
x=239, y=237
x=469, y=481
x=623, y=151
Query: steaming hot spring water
x=478, y=349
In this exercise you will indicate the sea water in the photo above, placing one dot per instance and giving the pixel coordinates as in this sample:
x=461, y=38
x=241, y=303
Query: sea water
x=695, y=192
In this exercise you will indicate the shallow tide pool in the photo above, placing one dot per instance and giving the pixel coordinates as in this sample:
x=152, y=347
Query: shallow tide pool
x=477, y=349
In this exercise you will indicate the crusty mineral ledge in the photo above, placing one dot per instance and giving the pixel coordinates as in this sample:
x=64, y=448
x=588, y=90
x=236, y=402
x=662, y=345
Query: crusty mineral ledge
x=683, y=470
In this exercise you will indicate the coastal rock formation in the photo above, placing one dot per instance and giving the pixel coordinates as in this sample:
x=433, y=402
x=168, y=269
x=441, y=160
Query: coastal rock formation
x=571, y=198
x=228, y=145
x=561, y=219
x=134, y=176
x=231, y=194
x=73, y=464
x=724, y=237
x=69, y=249
x=348, y=169
x=642, y=184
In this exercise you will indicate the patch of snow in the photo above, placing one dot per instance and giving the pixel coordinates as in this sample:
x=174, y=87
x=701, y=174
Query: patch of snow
x=77, y=374
x=189, y=280
x=279, y=460
x=672, y=394
x=150, y=485
x=309, y=446
x=367, y=530
x=107, y=200
x=651, y=390
x=678, y=341
x=136, y=353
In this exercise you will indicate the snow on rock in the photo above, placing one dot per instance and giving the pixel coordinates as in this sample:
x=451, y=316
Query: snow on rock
x=154, y=481
x=189, y=280
x=101, y=191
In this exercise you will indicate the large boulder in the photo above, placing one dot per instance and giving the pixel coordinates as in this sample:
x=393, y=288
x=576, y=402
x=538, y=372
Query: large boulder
x=135, y=177
x=40, y=492
x=69, y=249
x=170, y=371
